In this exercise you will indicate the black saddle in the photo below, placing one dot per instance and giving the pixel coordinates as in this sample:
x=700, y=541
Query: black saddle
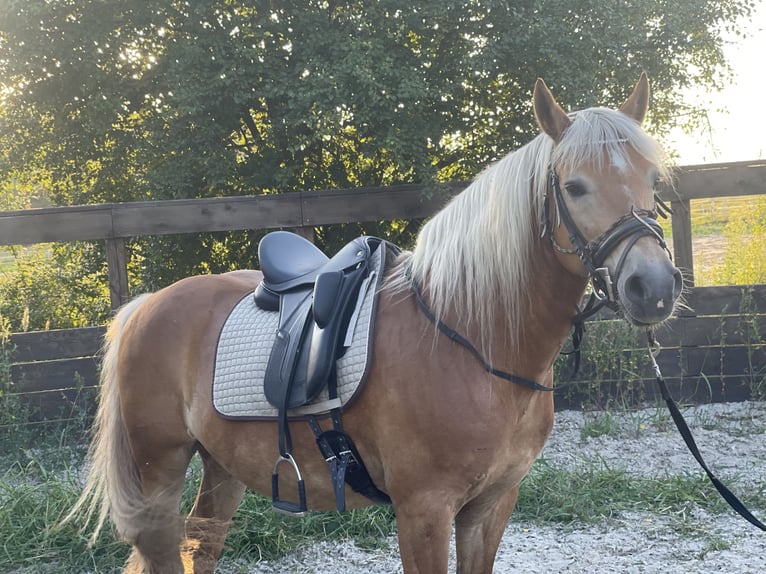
x=315, y=297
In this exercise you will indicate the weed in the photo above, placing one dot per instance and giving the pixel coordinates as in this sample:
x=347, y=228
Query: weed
x=599, y=423
x=713, y=543
x=610, y=356
x=750, y=329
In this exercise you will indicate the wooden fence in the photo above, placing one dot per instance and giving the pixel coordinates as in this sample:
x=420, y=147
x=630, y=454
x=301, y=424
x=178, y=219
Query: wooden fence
x=706, y=348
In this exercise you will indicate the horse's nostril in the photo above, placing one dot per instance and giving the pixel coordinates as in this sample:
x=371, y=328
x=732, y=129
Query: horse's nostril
x=635, y=290
x=678, y=283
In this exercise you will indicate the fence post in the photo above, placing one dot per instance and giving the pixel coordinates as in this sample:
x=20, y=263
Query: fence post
x=681, y=222
x=305, y=232
x=117, y=268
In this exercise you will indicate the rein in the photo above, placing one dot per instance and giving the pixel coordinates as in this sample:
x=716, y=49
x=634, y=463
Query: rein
x=460, y=340
x=683, y=428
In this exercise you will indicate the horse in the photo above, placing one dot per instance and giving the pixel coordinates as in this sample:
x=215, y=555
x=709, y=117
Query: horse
x=449, y=439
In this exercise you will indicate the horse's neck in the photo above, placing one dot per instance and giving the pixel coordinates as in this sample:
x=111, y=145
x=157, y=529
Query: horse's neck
x=551, y=300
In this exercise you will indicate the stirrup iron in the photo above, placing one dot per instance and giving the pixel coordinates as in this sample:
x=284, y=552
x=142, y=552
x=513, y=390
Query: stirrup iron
x=294, y=509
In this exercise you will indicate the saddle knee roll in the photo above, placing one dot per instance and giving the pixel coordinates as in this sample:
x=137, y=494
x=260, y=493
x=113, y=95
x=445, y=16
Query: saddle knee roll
x=326, y=295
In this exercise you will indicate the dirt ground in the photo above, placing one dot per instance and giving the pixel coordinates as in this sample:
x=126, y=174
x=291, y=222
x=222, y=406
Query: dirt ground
x=731, y=438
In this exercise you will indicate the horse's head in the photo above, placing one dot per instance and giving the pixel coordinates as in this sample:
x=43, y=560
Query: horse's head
x=601, y=208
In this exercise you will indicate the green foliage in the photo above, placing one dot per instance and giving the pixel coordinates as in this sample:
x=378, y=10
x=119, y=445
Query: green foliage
x=35, y=493
x=40, y=486
x=54, y=287
x=596, y=492
x=612, y=366
x=159, y=100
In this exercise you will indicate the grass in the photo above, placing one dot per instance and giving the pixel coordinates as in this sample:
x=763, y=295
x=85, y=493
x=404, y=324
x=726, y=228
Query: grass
x=40, y=485
x=597, y=492
x=741, y=224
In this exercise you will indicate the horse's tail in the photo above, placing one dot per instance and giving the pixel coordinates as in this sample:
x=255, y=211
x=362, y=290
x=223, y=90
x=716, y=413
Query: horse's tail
x=113, y=487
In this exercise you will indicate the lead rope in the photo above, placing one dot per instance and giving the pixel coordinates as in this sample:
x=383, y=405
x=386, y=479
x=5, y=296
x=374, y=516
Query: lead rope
x=683, y=428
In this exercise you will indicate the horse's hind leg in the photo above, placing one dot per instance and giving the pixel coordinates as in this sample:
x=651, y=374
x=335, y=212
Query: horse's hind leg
x=218, y=498
x=155, y=528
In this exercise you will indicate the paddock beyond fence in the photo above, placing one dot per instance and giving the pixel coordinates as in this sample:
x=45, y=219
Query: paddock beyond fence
x=715, y=352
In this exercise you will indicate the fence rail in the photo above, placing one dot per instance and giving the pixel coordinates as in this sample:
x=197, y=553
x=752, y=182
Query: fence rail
x=708, y=351
x=116, y=222
x=714, y=352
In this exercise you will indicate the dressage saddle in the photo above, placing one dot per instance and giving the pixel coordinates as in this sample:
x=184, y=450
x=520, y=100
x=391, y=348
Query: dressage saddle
x=316, y=297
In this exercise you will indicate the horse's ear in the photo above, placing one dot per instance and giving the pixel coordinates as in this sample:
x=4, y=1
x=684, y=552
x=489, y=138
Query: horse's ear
x=550, y=117
x=638, y=102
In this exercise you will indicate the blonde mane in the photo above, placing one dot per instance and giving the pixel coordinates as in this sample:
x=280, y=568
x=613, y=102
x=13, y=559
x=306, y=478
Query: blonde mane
x=473, y=257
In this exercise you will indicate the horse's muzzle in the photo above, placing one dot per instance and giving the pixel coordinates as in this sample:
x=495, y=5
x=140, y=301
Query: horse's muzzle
x=648, y=293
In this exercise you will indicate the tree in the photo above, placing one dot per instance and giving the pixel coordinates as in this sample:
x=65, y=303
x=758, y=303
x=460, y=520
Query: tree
x=110, y=100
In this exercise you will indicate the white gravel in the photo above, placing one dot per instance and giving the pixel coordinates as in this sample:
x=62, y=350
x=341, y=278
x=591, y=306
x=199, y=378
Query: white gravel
x=643, y=443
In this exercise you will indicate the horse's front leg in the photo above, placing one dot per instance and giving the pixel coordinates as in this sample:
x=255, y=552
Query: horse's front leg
x=479, y=527
x=424, y=524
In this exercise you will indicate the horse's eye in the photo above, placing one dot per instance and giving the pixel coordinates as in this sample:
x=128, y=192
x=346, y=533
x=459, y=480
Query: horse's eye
x=575, y=189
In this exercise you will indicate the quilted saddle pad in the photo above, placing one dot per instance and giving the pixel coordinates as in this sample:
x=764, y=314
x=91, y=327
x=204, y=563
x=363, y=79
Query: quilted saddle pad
x=244, y=346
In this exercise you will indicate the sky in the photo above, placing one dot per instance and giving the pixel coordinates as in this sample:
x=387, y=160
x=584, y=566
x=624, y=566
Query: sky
x=737, y=113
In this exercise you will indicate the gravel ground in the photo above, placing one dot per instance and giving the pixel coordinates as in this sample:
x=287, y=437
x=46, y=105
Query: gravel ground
x=643, y=443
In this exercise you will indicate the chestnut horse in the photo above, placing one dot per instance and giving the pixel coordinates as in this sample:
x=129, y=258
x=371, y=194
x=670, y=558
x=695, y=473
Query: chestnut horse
x=504, y=264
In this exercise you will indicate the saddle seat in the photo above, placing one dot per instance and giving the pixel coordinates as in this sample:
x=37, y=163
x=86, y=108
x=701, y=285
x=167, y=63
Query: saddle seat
x=289, y=261
x=288, y=258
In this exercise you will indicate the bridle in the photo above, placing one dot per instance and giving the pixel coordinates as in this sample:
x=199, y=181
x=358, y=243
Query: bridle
x=634, y=225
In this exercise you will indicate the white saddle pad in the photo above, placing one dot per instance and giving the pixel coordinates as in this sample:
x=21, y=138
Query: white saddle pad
x=244, y=346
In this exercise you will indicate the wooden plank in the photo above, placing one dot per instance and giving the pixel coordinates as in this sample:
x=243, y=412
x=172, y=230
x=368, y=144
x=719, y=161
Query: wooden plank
x=55, y=224
x=375, y=204
x=56, y=344
x=731, y=360
x=720, y=331
x=273, y=211
x=210, y=214
x=55, y=374
x=58, y=404
x=684, y=391
x=722, y=180
x=725, y=300
x=688, y=362
x=710, y=300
